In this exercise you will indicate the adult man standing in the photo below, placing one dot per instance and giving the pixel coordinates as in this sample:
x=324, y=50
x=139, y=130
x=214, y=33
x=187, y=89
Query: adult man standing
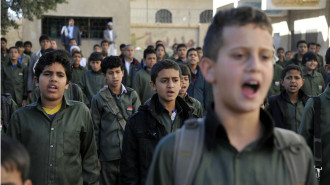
x=110, y=35
x=70, y=32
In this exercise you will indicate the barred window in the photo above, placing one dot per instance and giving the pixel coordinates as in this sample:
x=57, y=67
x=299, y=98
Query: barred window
x=90, y=27
x=163, y=16
x=206, y=16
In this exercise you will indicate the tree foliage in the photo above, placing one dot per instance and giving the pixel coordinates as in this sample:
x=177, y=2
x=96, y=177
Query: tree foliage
x=28, y=9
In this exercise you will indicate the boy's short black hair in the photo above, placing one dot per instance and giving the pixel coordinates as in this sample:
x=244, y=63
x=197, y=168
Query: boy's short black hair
x=160, y=45
x=15, y=157
x=76, y=52
x=72, y=39
x=288, y=52
x=110, y=63
x=308, y=56
x=191, y=49
x=43, y=37
x=27, y=43
x=104, y=41
x=311, y=43
x=279, y=49
x=4, y=39
x=96, y=56
x=185, y=71
x=301, y=42
x=19, y=44
x=289, y=68
x=199, y=48
x=181, y=46
x=232, y=17
x=327, y=56
x=122, y=46
x=13, y=47
x=163, y=64
x=175, y=44
x=151, y=47
x=96, y=45
x=318, y=45
x=59, y=56
x=148, y=51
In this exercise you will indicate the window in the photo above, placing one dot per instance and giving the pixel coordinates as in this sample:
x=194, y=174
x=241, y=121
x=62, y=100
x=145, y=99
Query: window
x=163, y=16
x=90, y=27
x=206, y=16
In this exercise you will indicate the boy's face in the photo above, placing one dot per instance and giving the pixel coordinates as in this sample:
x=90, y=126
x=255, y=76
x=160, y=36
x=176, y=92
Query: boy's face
x=288, y=55
x=193, y=58
x=73, y=43
x=280, y=53
x=129, y=52
x=182, y=52
x=160, y=52
x=97, y=49
x=311, y=65
x=76, y=59
x=27, y=48
x=318, y=48
x=13, y=177
x=96, y=65
x=45, y=44
x=312, y=48
x=175, y=49
x=150, y=60
x=3, y=44
x=105, y=46
x=292, y=81
x=243, y=71
x=53, y=44
x=114, y=77
x=167, y=85
x=52, y=82
x=200, y=54
x=20, y=49
x=185, y=84
x=13, y=54
x=302, y=48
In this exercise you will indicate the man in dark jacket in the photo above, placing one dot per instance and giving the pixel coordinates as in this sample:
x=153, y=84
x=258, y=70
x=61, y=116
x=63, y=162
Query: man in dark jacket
x=287, y=108
x=163, y=114
x=131, y=66
x=70, y=32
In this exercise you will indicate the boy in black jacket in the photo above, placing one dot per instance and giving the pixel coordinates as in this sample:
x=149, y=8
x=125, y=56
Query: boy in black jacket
x=287, y=108
x=163, y=114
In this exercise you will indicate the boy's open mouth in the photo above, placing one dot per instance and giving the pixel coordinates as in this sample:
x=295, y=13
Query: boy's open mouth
x=250, y=88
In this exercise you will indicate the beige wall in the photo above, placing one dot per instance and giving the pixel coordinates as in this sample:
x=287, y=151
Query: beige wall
x=119, y=10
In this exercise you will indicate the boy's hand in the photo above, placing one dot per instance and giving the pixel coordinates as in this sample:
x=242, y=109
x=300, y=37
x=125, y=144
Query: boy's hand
x=24, y=102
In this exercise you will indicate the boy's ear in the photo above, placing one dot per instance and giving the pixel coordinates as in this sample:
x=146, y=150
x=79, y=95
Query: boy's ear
x=67, y=85
x=153, y=86
x=123, y=72
x=36, y=81
x=303, y=81
x=207, y=68
x=281, y=81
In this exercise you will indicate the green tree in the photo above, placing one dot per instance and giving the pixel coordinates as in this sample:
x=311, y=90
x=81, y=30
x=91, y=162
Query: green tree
x=28, y=9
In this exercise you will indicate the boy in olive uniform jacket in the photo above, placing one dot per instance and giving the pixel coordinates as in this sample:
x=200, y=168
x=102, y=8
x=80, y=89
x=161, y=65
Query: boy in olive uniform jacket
x=307, y=125
x=109, y=124
x=58, y=133
x=77, y=69
x=240, y=143
x=143, y=78
x=92, y=80
x=14, y=78
x=163, y=114
x=314, y=82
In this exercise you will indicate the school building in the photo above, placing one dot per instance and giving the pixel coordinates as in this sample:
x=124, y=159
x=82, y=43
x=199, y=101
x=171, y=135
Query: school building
x=143, y=22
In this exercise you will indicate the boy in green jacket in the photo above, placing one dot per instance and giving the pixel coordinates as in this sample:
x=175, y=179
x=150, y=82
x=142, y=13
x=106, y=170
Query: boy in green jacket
x=14, y=78
x=92, y=80
x=143, y=78
x=111, y=108
x=77, y=69
x=314, y=82
x=240, y=144
x=58, y=133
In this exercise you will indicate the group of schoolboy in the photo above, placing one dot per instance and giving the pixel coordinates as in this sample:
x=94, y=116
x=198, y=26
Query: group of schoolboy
x=117, y=140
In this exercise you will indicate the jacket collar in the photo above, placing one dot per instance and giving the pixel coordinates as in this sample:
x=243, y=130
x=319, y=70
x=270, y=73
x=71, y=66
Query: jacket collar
x=214, y=129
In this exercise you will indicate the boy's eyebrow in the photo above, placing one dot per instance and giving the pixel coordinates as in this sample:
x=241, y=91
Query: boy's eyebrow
x=49, y=71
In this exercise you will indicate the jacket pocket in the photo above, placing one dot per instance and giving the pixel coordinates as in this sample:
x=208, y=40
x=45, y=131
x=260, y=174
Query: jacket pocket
x=71, y=142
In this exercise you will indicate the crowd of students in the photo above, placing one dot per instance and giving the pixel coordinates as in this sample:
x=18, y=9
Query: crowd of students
x=104, y=120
